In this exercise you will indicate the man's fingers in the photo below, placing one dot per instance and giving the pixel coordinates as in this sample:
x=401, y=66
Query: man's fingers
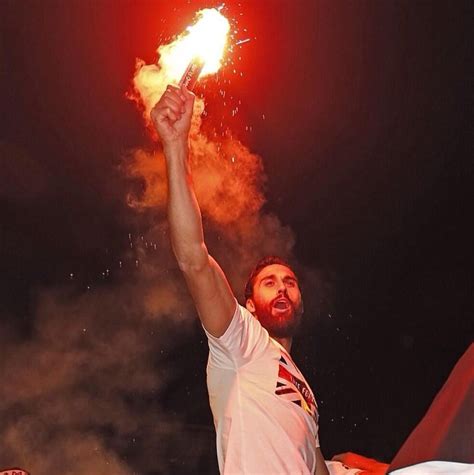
x=171, y=114
x=162, y=113
x=174, y=98
x=179, y=99
x=171, y=102
x=176, y=90
x=173, y=88
x=175, y=93
x=174, y=103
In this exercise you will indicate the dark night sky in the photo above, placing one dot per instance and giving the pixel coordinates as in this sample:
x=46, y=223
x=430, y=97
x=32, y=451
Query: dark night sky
x=360, y=111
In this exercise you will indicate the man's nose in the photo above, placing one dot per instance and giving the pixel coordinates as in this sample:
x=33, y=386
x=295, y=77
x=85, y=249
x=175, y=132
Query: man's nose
x=281, y=287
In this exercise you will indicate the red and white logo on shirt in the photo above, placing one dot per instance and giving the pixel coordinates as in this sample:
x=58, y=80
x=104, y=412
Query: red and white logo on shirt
x=292, y=386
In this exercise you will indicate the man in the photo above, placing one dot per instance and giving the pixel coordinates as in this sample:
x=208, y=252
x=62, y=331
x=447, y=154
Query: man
x=264, y=412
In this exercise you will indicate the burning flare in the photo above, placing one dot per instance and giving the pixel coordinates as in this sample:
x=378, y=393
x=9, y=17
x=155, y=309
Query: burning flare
x=203, y=42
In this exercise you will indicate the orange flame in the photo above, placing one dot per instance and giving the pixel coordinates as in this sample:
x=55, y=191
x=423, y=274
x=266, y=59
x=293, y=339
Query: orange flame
x=206, y=39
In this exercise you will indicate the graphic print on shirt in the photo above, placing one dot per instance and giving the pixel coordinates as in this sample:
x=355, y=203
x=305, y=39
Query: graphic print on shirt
x=292, y=387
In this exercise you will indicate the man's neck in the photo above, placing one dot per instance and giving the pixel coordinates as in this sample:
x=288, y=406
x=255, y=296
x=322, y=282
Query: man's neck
x=285, y=342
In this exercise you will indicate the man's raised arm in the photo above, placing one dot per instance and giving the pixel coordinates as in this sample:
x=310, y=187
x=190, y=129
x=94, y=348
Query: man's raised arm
x=207, y=283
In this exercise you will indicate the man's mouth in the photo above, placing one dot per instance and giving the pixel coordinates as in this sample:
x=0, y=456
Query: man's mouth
x=281, y=304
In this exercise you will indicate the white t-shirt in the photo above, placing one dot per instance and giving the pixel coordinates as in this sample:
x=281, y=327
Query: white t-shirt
x=265, y=414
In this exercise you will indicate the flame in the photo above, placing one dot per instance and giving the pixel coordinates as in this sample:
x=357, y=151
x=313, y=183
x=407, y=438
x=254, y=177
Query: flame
x=206, y=39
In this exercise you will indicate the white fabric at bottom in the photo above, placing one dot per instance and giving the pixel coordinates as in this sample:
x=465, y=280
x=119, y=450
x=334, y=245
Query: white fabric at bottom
x=436, y=467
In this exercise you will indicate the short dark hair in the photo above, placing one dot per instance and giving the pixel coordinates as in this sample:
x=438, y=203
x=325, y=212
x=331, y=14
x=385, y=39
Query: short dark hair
x=261, y=264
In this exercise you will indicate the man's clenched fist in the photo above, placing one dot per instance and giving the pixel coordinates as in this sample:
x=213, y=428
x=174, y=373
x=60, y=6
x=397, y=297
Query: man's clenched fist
x=172, y=115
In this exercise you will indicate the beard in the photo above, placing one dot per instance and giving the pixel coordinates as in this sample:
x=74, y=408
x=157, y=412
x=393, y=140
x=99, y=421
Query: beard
x=279, y=324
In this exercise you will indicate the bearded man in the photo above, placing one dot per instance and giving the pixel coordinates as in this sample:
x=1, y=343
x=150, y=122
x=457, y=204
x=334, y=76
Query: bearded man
x=265, y=413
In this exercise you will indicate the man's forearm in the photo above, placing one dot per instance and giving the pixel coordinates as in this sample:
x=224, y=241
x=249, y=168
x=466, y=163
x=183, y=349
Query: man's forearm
x=207, y=283
x=183, y=210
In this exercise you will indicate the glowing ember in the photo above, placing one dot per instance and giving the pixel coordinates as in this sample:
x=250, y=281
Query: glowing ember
x=206, y=40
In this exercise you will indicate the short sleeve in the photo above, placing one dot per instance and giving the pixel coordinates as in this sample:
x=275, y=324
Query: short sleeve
x=244, y=340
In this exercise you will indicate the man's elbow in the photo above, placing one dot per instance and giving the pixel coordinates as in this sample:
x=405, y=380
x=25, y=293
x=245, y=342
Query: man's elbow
x=194, y=262
x=190, y=268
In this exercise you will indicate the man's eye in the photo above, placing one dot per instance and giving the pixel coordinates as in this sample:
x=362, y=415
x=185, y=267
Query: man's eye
x=268, y=283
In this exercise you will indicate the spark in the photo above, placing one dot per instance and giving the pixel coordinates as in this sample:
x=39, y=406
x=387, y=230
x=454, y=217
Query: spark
x=241, y=42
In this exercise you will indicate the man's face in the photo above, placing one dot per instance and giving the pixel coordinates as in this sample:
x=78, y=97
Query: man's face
x=276, y=300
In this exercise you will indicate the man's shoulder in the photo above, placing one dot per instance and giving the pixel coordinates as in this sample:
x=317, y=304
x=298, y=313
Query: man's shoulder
x=244, y=341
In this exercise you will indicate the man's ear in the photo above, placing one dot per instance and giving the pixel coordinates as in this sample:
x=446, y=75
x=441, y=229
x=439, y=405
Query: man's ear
x=250, y=306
